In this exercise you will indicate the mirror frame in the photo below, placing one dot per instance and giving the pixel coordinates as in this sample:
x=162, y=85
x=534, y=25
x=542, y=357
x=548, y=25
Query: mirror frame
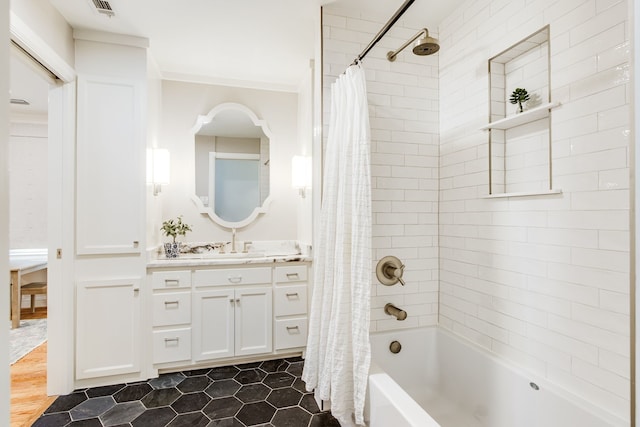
x=201, y=121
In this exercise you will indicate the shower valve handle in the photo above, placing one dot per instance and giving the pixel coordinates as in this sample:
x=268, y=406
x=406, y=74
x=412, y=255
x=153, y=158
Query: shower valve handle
x=390, y=270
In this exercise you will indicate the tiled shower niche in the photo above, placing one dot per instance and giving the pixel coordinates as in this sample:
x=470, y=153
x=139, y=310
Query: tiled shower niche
x=520, y=142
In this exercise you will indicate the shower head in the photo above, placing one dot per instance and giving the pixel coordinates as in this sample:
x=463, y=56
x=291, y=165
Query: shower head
x=425, y=45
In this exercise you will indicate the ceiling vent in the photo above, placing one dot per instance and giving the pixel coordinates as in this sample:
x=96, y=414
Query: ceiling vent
x=103, y=6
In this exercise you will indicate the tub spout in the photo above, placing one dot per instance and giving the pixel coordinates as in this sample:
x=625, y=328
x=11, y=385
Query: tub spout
x=392, y=310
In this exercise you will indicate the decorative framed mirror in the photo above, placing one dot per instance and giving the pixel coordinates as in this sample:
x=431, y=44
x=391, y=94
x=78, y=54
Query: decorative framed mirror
x=232, y=171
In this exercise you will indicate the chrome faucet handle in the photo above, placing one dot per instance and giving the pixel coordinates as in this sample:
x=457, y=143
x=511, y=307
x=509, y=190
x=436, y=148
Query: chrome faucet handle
x=245, y=250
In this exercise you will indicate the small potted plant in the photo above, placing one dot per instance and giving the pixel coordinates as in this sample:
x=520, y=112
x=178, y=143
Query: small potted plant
x=174, y=228
x=519, y=96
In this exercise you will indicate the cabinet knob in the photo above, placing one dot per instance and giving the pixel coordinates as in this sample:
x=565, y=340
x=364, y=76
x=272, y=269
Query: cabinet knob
x=295, y=294
x=235, y=279
x=166, y=303
x=292, y=276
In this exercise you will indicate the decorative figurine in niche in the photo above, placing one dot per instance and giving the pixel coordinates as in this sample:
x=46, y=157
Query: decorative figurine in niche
x=519, y=96
x=174, y=228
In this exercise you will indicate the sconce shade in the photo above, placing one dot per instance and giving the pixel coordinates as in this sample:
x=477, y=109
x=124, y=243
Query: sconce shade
x=301, y=172
x=161, y=166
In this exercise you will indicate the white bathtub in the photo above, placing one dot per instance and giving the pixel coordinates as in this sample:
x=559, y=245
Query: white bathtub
x=438, y=380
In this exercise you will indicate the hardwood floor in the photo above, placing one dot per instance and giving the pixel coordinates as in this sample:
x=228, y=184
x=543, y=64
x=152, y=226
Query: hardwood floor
x=29, y=381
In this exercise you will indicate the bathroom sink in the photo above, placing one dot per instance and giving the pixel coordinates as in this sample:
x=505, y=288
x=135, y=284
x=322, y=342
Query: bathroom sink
x=226, y=255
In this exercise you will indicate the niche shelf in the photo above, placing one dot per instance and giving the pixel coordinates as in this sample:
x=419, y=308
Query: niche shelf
x=520, y=143
x=524, y=194
x=527, y=116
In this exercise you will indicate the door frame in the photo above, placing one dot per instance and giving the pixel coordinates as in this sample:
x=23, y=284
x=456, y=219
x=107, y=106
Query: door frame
x=61, y=206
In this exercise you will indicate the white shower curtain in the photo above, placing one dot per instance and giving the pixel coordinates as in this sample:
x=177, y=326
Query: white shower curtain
x=338, y=350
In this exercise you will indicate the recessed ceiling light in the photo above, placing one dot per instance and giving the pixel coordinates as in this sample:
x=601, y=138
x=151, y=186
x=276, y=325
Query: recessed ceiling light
x=19, y=101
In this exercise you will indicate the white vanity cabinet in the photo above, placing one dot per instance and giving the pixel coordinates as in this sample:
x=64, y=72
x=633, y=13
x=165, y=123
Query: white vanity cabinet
x=225, y=312
x=171, y=314
x=232, y=321
x=107, y=327
x=290, y=301
x=110, y=166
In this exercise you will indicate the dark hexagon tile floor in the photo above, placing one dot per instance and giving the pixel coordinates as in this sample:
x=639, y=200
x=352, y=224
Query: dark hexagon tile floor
x=259, y=394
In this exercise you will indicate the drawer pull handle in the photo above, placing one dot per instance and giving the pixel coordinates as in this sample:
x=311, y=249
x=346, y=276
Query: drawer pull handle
x=172, y=282
x=293, y=328
x=166, y=303
x=168, y=340
x=292, y=276
x=295, y=294
x=235, y=279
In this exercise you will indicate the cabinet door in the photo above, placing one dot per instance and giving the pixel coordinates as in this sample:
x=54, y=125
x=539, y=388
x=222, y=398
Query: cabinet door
x=212, y=324
x=107, y=328
x=253, y=321
x=110, y=173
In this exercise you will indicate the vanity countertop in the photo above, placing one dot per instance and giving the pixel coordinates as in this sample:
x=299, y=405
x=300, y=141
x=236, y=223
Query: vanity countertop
x=198, y=254
x=188, y=262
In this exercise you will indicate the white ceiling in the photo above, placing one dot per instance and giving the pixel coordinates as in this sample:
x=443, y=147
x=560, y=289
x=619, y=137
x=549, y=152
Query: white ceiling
x=257, y=43
x=247, y=40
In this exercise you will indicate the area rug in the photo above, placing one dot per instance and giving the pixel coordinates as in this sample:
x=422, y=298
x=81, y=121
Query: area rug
x=28, y=336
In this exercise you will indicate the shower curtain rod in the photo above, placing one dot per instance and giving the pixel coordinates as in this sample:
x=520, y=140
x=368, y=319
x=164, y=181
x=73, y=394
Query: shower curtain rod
x=384, y=30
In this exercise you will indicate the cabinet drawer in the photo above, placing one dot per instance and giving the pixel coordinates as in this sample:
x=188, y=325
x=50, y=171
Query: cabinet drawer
x=171, y=279
x=172, y=345
x=289, y=300
x=291, y=333
x=232, y=276
x=291, y=273
x=171, y=308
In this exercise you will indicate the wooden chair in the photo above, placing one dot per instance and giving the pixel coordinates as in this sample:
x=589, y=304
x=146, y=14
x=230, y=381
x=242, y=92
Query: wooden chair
x=33, y=289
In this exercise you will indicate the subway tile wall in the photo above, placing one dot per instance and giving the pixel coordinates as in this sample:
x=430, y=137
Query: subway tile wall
x=403, y=103
x=542, y=281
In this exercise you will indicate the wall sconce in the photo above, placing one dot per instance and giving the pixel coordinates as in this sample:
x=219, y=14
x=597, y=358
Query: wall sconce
x=301, y=174
x=158, y=167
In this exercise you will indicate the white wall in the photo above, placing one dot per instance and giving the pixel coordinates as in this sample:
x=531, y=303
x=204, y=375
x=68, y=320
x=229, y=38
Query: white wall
x=403, y=105
x=542, y=281
x=48, y=24
x=28, y=185
x=154, y=124
x=181, y=105
x=305, y=148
